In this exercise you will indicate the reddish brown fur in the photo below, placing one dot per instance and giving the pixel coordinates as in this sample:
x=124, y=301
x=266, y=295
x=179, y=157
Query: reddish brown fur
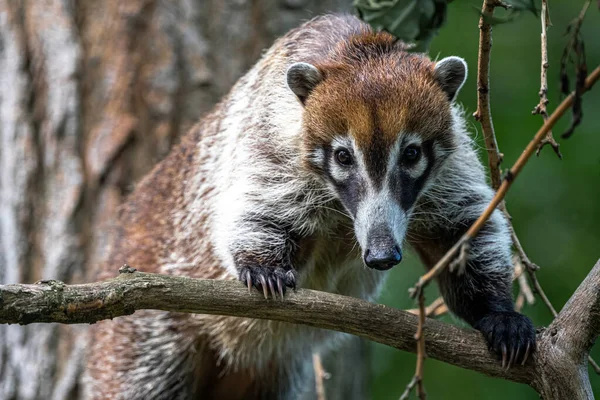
x=375, y=86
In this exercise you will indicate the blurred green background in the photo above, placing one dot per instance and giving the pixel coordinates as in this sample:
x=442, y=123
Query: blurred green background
x=554, y=204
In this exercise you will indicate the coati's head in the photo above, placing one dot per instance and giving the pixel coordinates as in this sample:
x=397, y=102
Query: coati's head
x=377, y=127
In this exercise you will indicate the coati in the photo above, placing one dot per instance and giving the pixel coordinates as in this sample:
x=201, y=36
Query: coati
x=335, y=148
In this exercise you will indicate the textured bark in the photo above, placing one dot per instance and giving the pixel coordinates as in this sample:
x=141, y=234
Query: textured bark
x=55, y=302
x=557, y=370
x=93, y=94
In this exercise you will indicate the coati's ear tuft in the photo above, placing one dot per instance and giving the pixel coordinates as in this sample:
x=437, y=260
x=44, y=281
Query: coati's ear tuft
x=302, y=79
x=451, y=73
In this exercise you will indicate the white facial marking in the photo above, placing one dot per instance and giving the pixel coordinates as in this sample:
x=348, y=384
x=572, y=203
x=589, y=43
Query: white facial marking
x=340, y=172
x=317, y=156
x=379, y=209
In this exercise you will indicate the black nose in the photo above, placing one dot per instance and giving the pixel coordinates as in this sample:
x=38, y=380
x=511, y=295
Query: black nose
x=383, y=258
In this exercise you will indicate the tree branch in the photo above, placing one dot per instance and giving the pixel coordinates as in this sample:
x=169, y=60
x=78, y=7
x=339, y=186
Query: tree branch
x=484, y=113
x=541, y=107
x=562, y=348
x=567, y=341
x=579, y=320
x=320, y=375
x=53, y=301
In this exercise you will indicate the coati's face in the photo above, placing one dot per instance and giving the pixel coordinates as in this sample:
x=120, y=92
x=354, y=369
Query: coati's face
x=377, y=133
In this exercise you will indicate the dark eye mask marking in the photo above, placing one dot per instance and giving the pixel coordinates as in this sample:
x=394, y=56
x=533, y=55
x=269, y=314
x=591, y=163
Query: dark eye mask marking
x=405, y=188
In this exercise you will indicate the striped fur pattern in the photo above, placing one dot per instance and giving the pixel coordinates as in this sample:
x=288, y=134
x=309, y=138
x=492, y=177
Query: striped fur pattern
x=260, y=191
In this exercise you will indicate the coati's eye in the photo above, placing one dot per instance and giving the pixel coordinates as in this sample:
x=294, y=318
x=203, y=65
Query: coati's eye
x=343, y=157
x=411, y=154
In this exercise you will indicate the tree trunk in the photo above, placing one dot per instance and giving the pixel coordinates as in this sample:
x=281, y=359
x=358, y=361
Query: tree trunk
x=93, y=94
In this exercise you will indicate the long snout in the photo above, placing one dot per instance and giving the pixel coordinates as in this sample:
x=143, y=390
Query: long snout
x=381, y=251
x=380, y=227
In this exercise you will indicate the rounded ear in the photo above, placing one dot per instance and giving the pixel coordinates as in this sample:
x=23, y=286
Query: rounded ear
x=302, y=79
x=451, y=73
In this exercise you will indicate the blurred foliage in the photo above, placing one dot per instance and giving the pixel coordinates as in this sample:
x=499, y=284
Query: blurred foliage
x=413, y=21
x=554, y=203
x=514, y=8
x=522, y=5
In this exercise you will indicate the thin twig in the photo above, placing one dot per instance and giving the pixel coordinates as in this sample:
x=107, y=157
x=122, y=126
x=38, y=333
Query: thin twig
x=320, y=375
x=420, y=337
x=518, y=247
x=541, y=108
x=435, y=309
x=576, y=46
x=594, y=365
x=459, y=264
x=409, y=388
x=511, y=175
x=525, y=291
x=483, y=113
x=417, y=380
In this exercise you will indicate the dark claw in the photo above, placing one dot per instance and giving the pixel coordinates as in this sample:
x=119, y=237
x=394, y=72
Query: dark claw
x=511, y=359
x=268, y=279
x=510, y=335
x=280, y=287
x=248, y=281
x=263, y=283
x=526, y=355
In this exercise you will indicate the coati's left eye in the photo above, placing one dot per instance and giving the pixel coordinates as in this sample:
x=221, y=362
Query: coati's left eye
x=411, y=154
x=343, y=157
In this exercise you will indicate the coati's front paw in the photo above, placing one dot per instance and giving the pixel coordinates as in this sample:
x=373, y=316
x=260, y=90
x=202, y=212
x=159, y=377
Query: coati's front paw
x=510, y=335
x=275, y=280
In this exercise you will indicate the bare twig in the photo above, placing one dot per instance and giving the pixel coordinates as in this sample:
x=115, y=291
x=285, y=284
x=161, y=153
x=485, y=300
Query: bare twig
x=575, y=46
x=483, y=113
x=420, y=338
x=594, y=365
x=417, y=380
x=459, y=264
x=541, y=108
x=320, y=375
x=409, y=388
x=511, y=175
x=435, y=309
x=525, y=292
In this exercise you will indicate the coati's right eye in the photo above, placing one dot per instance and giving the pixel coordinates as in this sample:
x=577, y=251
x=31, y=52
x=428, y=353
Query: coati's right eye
x=343, y=157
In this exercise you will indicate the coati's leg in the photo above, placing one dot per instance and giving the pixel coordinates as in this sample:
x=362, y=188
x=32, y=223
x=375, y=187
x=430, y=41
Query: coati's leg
x=152, y=355
x=482, y=294
x=263, y=257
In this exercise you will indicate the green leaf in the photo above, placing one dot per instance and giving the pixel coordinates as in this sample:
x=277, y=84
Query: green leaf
x=413, y=21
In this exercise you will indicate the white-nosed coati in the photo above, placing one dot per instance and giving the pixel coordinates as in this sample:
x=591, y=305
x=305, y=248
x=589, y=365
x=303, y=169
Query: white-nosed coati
x=336, y=137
